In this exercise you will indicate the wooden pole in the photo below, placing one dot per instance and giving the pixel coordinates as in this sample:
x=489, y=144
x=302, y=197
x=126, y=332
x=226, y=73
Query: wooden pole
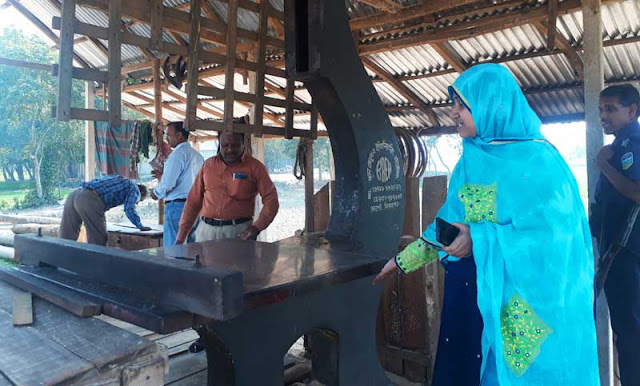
x=65, y=78
x=230, y=68
x=89, y=135
x=192, y=71
x=157, y=102
x=593, y=84
x=115, y=63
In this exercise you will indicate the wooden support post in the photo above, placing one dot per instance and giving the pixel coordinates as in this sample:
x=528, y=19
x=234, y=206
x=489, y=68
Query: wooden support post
x=289, y=113
x=434, y=193
x=65, y=76
x=593, y=84
x=313, y=126
x=192, y=71
x=258, y=108
x=308, y=188
x=115, y=65
x=230, y=69
x=89, y=135
x=412, y=224
x=156, y=24
x=157, y=102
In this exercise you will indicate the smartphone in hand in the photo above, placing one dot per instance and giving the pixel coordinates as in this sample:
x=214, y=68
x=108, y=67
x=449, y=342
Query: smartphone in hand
x=445, y=232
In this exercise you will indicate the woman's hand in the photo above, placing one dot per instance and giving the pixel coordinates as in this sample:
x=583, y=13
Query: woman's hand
x=462, y=246
x=389, y=269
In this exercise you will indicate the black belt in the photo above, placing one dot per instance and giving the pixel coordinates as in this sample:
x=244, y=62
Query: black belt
x=219, y=223
x=176, y=200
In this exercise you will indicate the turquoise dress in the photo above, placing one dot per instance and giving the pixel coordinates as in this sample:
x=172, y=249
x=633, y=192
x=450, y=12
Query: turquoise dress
x=531, y=241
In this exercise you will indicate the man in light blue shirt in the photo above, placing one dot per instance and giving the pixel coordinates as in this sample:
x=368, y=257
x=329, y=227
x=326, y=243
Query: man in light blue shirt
x=180, y=170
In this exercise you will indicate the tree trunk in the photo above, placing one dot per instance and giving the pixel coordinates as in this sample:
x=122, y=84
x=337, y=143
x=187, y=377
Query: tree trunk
x=36, y=169
x=8, y=174
x=20, y=171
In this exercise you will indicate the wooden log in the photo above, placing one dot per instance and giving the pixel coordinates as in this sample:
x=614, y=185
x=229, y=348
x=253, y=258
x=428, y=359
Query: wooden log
x=23, y=219
x=46, y=229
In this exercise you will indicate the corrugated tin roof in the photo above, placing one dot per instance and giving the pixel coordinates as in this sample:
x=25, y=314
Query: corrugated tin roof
x=548, y=79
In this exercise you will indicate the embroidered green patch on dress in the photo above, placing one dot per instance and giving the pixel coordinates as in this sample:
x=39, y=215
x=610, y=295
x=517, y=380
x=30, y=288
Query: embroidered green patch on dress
x=479, y=202
x=415, y=255
x=523, y=333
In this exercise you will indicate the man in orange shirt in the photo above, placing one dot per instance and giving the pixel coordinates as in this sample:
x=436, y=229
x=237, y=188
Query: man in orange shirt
x=224, y=194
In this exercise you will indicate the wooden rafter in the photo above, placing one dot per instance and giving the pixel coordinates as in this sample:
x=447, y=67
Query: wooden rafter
x=470, y=29
x=401, y=88
x=424, y=8
x=450, y=56
x=551, y=23
x=565, y=46
x=389, y=6
x=58, y=5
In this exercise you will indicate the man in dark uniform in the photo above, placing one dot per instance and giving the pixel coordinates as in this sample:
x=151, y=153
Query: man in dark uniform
x=617, y=191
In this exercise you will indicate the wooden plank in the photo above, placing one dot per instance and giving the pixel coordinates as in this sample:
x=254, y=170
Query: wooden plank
x=238, y=96
x=22, y=308
x=321, y=208
x=85, y=114
x=25, y=64
x=115, y=62
x=137, y=67
x=184, y=366
x=55, y=294
x=192, y=71
x=411, y=225
x=156, y=24
x=28, y=356
x=90, y=74
x=65, y=77
x=230, y=69
x=248, y=129
x=288, y=105
x=200, y=105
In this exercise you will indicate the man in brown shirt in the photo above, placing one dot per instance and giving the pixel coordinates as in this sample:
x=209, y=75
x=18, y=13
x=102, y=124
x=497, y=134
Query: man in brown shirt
x=224, y=193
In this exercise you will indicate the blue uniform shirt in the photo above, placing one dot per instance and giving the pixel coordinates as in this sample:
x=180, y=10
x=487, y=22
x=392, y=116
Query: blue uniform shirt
x=114, y=191
x=612, y=207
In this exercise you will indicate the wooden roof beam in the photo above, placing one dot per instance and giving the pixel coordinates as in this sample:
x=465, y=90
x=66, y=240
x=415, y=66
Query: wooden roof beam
x=389, y=6
x=565, y=46
x=450, y=56
x=473, y=28
x=552, y=5
x=426, y=7
x=401, y=88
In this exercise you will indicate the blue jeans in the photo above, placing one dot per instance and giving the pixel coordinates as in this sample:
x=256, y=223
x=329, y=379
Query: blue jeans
x=172, y=214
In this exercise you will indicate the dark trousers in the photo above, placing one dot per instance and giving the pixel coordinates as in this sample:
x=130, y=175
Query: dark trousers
x=459, y=355
x=622, y=289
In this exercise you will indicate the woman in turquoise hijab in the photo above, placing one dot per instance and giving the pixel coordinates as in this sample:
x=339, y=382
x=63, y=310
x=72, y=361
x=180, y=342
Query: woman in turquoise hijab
x=522, y=222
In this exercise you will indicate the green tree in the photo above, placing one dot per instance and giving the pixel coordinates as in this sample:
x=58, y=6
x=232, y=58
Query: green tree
x=28, y=134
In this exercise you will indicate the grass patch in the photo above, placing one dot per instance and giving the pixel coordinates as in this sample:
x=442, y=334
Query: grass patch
x=7, y=263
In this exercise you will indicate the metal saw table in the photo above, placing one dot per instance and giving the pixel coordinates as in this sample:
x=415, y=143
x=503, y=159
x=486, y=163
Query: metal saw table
x=249, y=301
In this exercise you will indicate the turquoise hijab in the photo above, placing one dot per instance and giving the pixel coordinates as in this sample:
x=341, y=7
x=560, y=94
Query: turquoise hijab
x=531, y=241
